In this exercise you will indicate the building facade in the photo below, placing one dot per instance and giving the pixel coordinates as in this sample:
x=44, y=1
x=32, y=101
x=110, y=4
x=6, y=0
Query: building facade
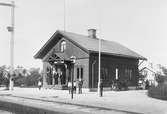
x=117, y=61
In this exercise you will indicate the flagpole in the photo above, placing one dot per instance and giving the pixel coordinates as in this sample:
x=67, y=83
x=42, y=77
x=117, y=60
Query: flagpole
x=64, y=15
x=99, y=72
x=99, y=41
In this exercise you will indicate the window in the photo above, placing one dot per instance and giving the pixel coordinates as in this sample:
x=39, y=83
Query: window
x=63, y=46
x=116, y=74
x=79, y=72
x=104, y=73
x=128, y=74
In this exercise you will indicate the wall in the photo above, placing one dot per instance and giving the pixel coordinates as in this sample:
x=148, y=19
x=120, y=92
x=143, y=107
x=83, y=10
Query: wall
x=82, y=59
x=44, y=75
x=83, y=63
x=71, y=49
x=109, y=64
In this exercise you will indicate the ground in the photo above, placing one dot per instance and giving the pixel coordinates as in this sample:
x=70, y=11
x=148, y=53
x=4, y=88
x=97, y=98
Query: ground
x=135, y=101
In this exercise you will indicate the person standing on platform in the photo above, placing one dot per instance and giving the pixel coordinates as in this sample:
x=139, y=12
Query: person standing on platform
x=75, y=86
x=80, y=83
x=101, y=88
x=147, y=84
x=69, y=86
x=39, y=85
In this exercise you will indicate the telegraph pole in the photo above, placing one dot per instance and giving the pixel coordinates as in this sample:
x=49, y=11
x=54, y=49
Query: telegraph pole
x=11, y=83
x=11, y=29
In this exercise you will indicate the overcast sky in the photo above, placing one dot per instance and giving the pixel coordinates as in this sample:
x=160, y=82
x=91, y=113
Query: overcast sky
x=141, y=25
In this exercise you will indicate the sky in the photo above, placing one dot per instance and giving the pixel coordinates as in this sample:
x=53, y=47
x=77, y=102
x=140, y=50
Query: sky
x=140, y=25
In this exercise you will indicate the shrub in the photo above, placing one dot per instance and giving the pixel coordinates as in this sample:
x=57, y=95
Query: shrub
x=20, y=80
x=32, y=79
x=29, y=80
x=159, y=92
x=161, y=79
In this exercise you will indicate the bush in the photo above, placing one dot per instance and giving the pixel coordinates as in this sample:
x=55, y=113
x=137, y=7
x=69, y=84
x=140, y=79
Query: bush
x=161, y=79
x=30, y=80
x=159, y=92
x=20, y=81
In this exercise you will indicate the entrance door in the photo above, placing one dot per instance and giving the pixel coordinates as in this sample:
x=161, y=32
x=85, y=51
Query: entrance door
x=60, y=79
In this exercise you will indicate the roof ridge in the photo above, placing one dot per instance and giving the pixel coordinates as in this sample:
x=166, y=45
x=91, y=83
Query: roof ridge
x=91, y=44
x=86, y=36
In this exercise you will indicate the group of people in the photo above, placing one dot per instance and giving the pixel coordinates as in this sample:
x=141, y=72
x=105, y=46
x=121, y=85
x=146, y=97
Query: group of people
x=76, y=85
x=119, y=85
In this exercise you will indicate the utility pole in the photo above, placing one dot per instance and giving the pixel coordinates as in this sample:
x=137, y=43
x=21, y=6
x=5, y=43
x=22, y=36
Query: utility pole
x=100, y=45
x=99, y=73
x=11, y=29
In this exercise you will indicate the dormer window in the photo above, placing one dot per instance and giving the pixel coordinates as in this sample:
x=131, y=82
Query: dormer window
x=63, y=46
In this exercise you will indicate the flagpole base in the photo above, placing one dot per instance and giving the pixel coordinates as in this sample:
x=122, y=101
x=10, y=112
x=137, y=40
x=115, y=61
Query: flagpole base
x=98, y=89
x=11, y=84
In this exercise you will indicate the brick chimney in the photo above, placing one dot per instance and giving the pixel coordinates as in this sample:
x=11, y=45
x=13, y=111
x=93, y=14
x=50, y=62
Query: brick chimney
x=92, y=33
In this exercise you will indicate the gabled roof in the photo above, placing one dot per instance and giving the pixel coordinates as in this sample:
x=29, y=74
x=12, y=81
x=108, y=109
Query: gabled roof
x=90, y=45
x=151, y=70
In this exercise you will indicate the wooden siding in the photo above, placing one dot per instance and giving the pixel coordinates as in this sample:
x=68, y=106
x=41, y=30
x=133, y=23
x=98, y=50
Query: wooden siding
x=82, y=59
x=71, y=49
x=108, y=69
x=45, y=79
x=83, y=63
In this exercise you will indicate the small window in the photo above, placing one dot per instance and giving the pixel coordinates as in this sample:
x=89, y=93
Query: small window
x=128, y=73
x=81, y=73
x=116, y=74
x=77, y=73
x=63, y=46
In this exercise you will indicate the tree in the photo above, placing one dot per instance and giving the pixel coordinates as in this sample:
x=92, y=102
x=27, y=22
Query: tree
x=162, y=77
x=143, y=74
x=21, y=75
x=164, y=70
x=31, y=80
x=4, y=76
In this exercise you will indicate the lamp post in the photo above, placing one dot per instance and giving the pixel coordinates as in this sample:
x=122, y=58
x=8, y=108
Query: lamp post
x=11, y=29
x=73, y=59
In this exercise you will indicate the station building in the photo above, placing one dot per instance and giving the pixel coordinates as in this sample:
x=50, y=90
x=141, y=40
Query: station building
x=117, y=61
